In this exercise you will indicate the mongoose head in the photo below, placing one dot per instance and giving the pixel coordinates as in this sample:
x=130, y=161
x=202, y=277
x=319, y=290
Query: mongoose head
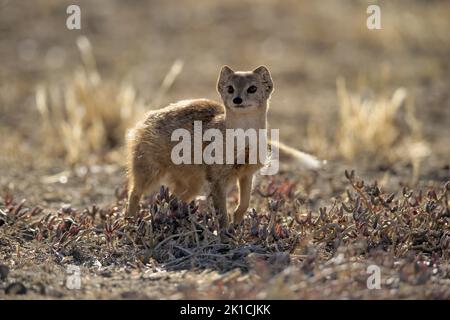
x=244, y=91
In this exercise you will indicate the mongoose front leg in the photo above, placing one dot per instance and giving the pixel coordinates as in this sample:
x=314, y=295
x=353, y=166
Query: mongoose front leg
x=219, y=198
x=245, y=188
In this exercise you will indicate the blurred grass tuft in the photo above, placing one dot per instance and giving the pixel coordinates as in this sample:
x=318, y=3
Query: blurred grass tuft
x=377, y=127
x=87, y=117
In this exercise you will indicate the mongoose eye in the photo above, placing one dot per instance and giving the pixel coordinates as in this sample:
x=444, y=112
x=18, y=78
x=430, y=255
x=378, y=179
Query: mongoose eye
x=230, y=89
x=251, y=89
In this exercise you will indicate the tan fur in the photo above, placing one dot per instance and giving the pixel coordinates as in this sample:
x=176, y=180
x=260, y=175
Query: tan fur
x=150, y=145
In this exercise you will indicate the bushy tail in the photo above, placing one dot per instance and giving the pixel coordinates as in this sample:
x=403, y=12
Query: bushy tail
x=303, y=159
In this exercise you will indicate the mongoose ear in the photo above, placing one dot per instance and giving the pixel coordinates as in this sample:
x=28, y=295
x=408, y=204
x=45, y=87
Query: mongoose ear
x=266, y=78
x=223, y=77
x=226, y=71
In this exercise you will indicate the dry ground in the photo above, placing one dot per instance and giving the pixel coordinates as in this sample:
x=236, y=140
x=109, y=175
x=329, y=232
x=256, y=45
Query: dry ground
x=309, y=235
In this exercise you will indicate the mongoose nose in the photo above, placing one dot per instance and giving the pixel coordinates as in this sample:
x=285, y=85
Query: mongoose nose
x=237, y=100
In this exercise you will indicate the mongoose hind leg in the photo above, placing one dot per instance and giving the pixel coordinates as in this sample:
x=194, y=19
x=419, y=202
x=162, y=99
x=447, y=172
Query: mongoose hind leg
x=134, y=196
x=140, y=182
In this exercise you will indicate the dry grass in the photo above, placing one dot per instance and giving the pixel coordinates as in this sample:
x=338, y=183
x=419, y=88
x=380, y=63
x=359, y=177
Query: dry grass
x=88, y=116
x=372, y=128
x=380, y=128
x=383, y=129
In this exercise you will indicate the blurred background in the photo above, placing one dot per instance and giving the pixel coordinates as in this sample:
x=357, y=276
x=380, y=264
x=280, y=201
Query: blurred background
x=375, y=100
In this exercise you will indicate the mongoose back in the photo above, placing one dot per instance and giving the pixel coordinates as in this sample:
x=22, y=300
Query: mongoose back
x=245, y=97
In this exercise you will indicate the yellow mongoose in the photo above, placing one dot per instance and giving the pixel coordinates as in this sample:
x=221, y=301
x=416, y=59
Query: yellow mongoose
x=245, y=98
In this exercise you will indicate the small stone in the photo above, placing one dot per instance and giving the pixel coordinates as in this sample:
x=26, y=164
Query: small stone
x=4, y=271
x=16, y=288
x=133, y=295
x=106, y=274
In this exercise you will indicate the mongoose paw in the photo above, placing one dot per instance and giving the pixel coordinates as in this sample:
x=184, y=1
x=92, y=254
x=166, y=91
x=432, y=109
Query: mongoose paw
x=227, y=234
x=238, y=216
